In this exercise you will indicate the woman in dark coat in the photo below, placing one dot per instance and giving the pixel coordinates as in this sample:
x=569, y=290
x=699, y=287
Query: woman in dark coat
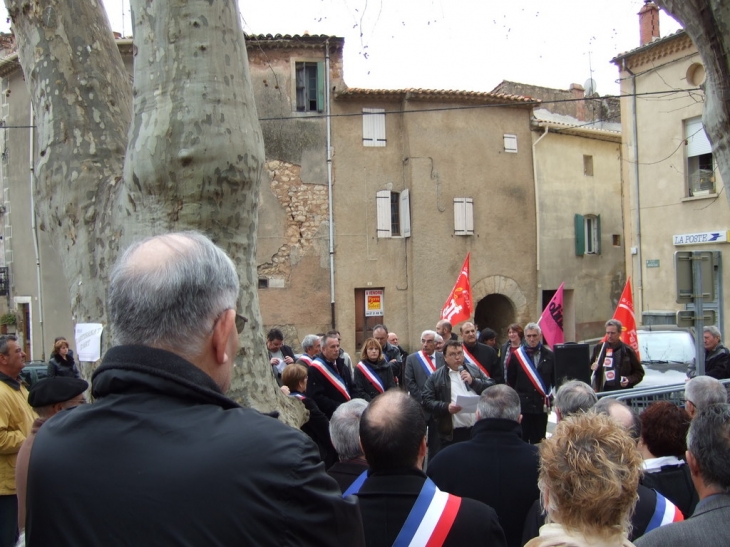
x=62, y=362
x=294, y=376
x=516, y=335
x=373, y=374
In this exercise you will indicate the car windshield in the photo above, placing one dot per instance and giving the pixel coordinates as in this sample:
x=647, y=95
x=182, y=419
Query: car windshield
x=666, y=346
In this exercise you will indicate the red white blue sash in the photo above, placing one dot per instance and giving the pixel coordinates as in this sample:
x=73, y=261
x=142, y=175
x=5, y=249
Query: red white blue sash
x=430, y=520
x=371, y=376
x=333, y=378
x=664, y=513
x=297, y=395
x=426, y=363
x=531, y=371
x=471, y=359
x=307, y=359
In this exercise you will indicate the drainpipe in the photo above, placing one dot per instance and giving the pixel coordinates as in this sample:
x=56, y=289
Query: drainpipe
x=635, y=189
x=34, y=230
x=537, y=214
x=329, y=177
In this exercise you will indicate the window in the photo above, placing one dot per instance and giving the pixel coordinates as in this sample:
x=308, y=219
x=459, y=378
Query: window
x=463, y=216
x=700, y=163
x=587, y=235
x=510, y=143
x=394, y=214
x=373, y=127
x=310, y=87
x=588, y=166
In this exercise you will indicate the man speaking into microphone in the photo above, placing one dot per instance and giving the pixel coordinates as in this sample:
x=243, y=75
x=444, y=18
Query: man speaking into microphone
x=445, y=385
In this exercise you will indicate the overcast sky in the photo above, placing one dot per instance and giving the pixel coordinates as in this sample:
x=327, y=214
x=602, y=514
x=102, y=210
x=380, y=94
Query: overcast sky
x=456, y=44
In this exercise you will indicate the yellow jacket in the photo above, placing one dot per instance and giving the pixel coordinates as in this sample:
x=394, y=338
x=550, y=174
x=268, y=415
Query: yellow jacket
x=16, y=420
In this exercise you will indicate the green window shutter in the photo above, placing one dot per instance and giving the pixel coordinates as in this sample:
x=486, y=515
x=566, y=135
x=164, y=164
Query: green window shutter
x=320, y=87
x=580, y=236
x=598, y=234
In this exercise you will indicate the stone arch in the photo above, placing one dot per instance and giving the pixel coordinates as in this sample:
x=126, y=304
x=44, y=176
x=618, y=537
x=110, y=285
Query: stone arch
x=499, y=302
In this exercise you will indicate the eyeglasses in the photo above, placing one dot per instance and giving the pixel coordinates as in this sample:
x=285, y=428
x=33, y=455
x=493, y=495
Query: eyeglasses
x=424, y=341
x=240, y=322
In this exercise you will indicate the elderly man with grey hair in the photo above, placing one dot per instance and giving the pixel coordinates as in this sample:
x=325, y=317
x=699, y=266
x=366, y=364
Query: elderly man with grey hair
x=531, y=372
x=345, y=435
x=572, y=397
x=496, y=466
x=717, y=356
x=701, y=392
x=615, y=364
x=312, y=345
x=179, y=461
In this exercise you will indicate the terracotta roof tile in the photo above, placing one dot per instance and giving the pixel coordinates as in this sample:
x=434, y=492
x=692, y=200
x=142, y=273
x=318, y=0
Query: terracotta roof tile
x=433, y=94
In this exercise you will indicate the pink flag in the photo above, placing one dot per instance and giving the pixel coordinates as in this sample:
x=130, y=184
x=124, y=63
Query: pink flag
x=551, y=320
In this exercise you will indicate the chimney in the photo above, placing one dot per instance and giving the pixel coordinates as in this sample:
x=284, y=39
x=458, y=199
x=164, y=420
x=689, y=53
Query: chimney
x=649, y=22
x=578, y=92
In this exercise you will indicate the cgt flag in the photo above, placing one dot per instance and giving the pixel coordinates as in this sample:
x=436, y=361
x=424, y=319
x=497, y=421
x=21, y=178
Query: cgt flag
x=551, y=320
x=625, y=313
x=458, y=305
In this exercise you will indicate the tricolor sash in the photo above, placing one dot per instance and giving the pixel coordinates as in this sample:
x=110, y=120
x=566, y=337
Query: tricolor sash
x=333, y=377
x=297, y=395
x=371, y=376
x=426, y=363
x=471, y=359
x=664, y=513
x=430, y=519
x=307, y=359
x=531, y=371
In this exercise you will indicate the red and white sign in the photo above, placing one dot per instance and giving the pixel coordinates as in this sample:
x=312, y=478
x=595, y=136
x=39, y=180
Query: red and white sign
x=373, y=302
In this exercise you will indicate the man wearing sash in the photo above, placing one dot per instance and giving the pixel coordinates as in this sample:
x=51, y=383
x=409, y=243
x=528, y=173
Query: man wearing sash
x=615, y=364
x=329, y=384
x=401, y=507
x=444, y=386
x=530, y=372
x=419, y=366
x=481, y=355
x=312, y=345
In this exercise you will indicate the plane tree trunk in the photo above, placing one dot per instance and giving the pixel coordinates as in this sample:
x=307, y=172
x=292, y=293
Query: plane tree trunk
x=181, y=149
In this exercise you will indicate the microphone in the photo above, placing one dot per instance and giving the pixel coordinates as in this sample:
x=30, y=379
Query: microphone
x=462, y=368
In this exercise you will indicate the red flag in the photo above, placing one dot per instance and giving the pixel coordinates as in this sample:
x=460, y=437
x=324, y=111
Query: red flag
x=551, y=320
x=458, y=305
x=625, y=313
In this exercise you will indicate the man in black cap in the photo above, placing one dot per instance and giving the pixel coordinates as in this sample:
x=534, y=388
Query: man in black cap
x=47, y=397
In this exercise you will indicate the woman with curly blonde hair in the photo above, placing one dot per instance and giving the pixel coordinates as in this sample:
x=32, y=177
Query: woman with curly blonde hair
x=589, y=473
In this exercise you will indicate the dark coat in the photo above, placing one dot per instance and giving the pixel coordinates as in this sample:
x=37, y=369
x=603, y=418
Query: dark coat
x=504, y=357
x=164, y=458
x=717, y=362
x=58, y=366
x=488, y=358
x=395, y=358
x=365, y=387
x=531, y=400
x=386, y=499
x=326, y=395
x=416, y=376
x=437, y=396
x=286, y=351
x=345, y=473
x=495, y=467
x=675, y=483
x=629, y=367
x=317, y=428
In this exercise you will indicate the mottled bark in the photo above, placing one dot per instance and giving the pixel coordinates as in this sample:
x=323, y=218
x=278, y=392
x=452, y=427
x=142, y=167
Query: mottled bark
x=707, y=22
x=194, y=150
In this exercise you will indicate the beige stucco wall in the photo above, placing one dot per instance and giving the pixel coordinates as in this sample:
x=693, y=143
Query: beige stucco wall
x=665, y=210
x=437, y=156
x=595, y=279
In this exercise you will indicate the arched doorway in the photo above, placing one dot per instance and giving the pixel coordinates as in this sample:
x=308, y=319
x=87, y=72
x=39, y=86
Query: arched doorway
x=496, y=312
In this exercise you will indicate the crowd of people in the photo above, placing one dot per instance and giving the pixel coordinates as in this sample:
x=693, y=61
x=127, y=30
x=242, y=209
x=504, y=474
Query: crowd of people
x=444, y=446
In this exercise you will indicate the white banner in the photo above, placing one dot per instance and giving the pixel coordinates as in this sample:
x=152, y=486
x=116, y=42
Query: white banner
x=88, y=341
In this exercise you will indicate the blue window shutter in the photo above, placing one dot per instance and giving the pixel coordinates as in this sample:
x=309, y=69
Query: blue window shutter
x=320, y=87
x=580, y=236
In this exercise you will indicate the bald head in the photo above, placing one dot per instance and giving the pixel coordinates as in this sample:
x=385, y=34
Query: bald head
x=620, y=412
x=393, y=431
x=167, y=291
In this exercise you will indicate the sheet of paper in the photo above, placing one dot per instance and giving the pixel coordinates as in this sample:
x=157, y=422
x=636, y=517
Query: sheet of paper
x=88, y=341
x=468, y=403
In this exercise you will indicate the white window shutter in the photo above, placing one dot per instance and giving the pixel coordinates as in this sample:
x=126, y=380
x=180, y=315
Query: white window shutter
x=373, y=127
x=383, y=211
x=405, y=214
x=469, y=216
x=510, y=143
x=697, y=141
x=463, y=216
